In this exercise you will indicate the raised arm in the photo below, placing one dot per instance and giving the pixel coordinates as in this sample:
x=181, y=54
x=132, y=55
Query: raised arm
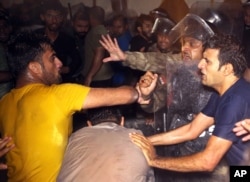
x=116, y=54
x=98, y=97
x=149, y=61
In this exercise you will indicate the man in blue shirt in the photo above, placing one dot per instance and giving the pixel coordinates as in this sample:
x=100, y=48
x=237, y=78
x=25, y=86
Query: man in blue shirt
x=221, y=68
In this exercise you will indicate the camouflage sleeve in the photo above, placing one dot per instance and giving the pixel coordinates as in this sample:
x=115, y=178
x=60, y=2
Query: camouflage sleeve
x=161, y=63
x=151, y=61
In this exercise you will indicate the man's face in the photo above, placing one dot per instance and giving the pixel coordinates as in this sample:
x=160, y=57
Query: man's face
x=163, y=42
x=191, y=49
x=81, y=27
x=211, y=73
x=118, y=28
x=146, y=28
x=53, y=19
x=51, y=67
x=5, y=31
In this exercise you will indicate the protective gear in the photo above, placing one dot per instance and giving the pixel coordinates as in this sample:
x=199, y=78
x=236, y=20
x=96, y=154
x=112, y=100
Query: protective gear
x=224, y=17
x=159, y=12
x=191, y=26
x=162, y=25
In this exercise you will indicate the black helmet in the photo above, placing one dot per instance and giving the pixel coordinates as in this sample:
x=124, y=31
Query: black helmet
x=222, y=16
x=162, y=25
x=191, y=26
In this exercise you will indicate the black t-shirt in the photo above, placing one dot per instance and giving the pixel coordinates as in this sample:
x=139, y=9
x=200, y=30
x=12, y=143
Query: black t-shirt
x=138, y=42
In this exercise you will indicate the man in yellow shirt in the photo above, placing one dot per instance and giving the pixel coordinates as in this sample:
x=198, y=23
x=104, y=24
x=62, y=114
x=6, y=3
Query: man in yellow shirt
x=37, y=113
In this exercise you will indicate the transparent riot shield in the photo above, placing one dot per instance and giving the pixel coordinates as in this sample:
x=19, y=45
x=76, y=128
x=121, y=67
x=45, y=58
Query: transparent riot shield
x=192, y=26
x=226, y=17
x=162, y=25
x=179, y=83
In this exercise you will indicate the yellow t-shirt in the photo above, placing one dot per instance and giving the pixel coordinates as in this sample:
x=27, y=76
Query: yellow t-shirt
x=39, y=119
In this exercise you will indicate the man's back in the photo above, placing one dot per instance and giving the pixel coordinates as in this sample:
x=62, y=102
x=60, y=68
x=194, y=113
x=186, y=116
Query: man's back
x=38, y=119
x=104, y=152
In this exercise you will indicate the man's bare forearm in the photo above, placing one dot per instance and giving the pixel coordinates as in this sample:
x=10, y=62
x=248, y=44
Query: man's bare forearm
x=183, y=164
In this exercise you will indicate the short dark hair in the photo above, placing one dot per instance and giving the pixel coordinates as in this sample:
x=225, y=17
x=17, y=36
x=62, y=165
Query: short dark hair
x=53, y=5
x=81, y=15
x=24, y=48
x=97, y=13
x=104, y=114
x=230, y=52
x=142, y=18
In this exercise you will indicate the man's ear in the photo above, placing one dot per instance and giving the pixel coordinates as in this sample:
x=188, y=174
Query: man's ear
x=89, y=123
x=122, y=121
x=35, y=67
x=228, y=69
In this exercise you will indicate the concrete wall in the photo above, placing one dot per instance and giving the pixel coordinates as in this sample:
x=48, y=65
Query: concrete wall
x=139, y=6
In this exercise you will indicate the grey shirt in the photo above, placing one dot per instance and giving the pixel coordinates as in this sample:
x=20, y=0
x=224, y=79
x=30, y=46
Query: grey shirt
x=104, y=153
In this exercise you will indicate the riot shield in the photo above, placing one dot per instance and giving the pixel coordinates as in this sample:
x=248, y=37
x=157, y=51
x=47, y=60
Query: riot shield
x=191, y=26
x=226, y=17
x=162, y=25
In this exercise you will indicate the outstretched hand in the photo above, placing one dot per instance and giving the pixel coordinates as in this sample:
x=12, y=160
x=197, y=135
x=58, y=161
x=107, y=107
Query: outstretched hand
x=243, y=128
x=145, y=145
x=116, y=54
x=5, y=147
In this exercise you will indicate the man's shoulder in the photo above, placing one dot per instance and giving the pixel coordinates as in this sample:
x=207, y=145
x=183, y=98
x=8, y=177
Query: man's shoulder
x=70, y=86
x=100, y=29
x=105, y=126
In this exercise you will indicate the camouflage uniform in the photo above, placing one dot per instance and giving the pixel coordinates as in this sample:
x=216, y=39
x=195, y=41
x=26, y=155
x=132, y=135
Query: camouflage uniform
x=153, y=61
x=180, y=97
